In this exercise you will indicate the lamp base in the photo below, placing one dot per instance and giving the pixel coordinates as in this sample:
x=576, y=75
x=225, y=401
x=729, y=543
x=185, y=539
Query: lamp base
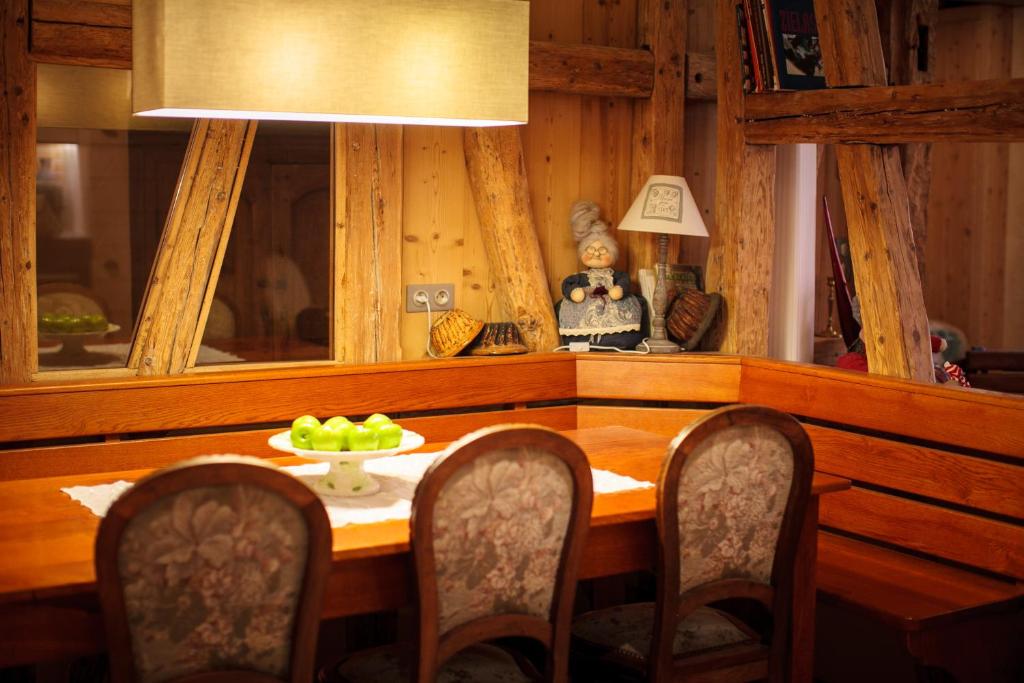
x=659, y=346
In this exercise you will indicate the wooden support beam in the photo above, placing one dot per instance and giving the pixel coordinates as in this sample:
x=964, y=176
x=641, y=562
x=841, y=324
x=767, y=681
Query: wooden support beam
x=878, y=212
x=658, y=139
x=742, y=247
x=591, y=69
x=497, y=175
x=967, y=111
x=182, y=283
x=90, y=12
x=366, y=243
x=18, y=351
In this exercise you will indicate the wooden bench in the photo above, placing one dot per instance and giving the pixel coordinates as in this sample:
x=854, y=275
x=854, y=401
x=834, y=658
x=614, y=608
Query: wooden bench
x=921, y=564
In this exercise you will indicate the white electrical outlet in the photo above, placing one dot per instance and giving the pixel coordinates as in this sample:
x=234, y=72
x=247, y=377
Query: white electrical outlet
x=441, y=297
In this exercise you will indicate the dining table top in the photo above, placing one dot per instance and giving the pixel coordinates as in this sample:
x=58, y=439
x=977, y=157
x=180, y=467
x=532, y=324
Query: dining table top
x=46, y=538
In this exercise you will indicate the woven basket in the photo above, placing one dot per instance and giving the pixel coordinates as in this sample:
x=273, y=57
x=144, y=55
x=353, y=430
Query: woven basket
x=452, y=332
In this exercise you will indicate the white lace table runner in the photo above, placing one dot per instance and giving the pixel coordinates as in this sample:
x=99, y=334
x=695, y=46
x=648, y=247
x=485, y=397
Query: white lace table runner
x=398, y=476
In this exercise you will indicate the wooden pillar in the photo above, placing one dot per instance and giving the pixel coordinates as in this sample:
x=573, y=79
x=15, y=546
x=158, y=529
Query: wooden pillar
x=907, y=29
x=188, y=259
x=658, y=121
x=742, y=244
x=877, y=208
x=18, y=350
x=497, y=175
x=366, y=243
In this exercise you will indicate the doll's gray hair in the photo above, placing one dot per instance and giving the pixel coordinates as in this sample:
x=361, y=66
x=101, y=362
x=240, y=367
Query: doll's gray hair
x=588, y=227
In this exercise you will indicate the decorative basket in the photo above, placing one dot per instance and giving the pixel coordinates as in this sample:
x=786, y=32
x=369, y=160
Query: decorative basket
x=452, y=332
x=498, y=339
x=691, y=314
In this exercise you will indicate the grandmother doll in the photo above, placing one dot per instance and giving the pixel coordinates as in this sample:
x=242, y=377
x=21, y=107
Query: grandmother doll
x=598, y=306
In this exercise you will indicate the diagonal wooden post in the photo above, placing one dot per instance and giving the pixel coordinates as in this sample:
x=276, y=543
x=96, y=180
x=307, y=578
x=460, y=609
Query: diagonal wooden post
x=742, y=245
x=878, y=210
x=182, y=283
x=497, y=175
x=366, y=243
x=18, y=351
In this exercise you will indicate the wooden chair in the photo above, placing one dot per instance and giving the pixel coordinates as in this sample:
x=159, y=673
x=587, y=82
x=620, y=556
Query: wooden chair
x=213, y=570
x=731, y=497
x=497, y=530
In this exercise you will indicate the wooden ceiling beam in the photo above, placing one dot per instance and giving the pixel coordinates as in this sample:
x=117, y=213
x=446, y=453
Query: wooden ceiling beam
x=969, y=111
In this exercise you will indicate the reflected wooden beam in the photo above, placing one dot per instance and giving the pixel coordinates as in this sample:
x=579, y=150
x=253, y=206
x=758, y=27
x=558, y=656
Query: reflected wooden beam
x=366, y=243
x=18, y=350
x=877, y=208
x=497, y=176
x=181, y=286
x=741, y=252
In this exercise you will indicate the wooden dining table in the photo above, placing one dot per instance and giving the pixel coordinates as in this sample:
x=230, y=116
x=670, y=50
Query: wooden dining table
x=49, y=609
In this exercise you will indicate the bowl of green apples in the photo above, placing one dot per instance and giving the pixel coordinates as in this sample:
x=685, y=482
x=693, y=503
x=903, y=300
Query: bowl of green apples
x=346, y=446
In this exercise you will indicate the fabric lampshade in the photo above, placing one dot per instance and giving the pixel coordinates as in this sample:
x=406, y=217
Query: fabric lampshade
x=665, y=205
x=455, y=62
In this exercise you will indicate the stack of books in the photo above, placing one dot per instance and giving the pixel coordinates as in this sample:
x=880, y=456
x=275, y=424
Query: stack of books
x=779, y=44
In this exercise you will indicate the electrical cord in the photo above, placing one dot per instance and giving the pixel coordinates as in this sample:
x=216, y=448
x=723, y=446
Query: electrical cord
x=590, y=347
x=430, y=350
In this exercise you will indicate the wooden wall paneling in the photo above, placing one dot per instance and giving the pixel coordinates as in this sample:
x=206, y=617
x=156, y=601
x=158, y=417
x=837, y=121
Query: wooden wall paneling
x=251, y=397
x=741, y=249
x=181, y=286
x=83, y=45
x=970, y=186
x=436, y=227
x=367, y=243
x=665, y=421
x=700, y=145
x=598, y=68
x=1013, y=274
x=18, y=340
x=877, y=209
x=993, y=545
x=658, y=131
x=497, y=173
x=701, y=378
x=972, y=481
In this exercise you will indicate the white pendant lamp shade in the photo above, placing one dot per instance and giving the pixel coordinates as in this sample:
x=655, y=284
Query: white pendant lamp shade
x=455, y=62
x=665, y=205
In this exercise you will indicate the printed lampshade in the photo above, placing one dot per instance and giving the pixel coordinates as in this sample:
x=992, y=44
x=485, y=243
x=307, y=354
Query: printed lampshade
x=454, y=62
x=665, y=205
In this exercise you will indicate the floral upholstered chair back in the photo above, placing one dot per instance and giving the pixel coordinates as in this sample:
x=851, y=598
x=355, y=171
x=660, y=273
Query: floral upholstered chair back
x=732, y=495
x=498, y=526
x=216, y=565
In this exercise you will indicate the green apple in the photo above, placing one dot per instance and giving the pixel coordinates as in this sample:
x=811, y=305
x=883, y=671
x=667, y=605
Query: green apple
x=362, y=439
x=376, y=420
x=48, y=322
x=390, y=435
x=343, y=425
x=65, y=323
x=337, y=421
x=330, y=437
x=95, y=322
x=302, y=431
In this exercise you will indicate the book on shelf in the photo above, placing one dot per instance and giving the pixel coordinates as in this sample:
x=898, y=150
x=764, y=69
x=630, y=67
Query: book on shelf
x=779, y=45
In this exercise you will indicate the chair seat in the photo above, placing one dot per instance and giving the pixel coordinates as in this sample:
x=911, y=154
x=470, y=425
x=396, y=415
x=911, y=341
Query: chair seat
x=385, y=664
x=624, y=631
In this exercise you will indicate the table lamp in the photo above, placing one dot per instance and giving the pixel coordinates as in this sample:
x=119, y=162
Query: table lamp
x=664, y=206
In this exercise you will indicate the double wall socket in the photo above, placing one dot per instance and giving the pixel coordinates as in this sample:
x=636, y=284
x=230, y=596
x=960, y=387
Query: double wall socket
x=441, y=297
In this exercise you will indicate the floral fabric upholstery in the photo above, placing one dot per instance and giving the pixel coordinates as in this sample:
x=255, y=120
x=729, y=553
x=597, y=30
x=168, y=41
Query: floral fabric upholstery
x=732, y=494
x=211, y=580
x=477, y=663
x=499, y=527
x=626, y=630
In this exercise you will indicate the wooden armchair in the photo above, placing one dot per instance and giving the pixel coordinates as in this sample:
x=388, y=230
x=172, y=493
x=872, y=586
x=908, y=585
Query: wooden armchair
x=497, y=530
x=731, y=496
x=213, y=570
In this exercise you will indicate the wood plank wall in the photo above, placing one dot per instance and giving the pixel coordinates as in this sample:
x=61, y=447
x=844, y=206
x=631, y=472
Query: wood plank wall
x=975, y=235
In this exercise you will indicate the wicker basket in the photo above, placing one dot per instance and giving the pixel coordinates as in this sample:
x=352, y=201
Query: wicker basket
x=452, y=332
